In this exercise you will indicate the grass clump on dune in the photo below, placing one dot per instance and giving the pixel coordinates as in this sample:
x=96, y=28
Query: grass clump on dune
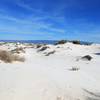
x=61, y=42
x=8, y=57
x=74, y=68
x=76, y=42
x=43, y=48
x=18, y=50
x=87, y=57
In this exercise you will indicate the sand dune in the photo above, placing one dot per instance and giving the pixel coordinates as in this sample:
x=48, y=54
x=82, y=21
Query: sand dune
x=62, y=75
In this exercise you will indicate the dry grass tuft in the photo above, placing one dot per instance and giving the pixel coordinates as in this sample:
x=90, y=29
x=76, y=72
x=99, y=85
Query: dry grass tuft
x=8, y=57
x=74, y=68
x=43, y=48
x=18, y=50
x=38, y=46
x=49, y=53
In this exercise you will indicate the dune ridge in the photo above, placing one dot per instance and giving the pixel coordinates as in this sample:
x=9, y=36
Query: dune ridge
x=51, y=72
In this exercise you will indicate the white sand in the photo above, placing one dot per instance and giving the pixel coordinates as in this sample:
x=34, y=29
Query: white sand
x=43, y=77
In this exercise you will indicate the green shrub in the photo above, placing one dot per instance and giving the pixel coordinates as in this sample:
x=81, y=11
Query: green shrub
x=61, y=42
x=76, y=42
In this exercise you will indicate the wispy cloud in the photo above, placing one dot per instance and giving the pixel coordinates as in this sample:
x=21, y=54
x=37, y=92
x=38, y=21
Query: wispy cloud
x=28, y=25
x=63, y=18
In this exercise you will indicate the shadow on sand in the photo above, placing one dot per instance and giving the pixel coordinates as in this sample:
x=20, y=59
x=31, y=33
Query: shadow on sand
x=91, y=95
x=97, y=53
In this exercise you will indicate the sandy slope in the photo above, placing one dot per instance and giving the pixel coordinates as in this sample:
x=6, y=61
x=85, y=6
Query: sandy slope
x=43, y=77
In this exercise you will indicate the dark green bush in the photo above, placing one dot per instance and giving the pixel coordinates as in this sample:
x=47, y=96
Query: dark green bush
x=61, y=42
x=76, y=42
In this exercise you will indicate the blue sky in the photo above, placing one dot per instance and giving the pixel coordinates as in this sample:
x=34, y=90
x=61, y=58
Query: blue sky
x=50, y=19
